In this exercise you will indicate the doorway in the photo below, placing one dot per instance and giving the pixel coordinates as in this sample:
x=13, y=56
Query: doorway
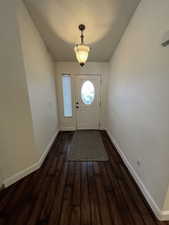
x=80, y=98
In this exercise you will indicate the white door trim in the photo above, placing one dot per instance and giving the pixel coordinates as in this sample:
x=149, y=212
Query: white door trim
x=69, y=123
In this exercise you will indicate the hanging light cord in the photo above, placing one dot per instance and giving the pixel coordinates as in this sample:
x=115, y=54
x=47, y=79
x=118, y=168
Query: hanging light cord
x=82, y=37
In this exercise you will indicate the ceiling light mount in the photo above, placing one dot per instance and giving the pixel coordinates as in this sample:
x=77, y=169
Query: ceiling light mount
x=81, y=49
x=82, y=27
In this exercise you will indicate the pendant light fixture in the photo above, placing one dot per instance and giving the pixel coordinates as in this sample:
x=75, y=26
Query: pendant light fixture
x=82, y=50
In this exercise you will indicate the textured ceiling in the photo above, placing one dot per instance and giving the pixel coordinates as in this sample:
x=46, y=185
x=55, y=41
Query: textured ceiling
x=58, y=20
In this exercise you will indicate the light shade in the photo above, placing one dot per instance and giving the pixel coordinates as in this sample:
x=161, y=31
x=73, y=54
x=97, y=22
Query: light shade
x=82, y=52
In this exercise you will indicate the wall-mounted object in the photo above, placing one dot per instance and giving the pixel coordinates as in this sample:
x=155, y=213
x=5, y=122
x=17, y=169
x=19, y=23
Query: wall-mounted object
x=165, y=41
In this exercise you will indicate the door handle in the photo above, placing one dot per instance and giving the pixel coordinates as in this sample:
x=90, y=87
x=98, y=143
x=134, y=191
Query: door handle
x=77, y=102
x=77, y=107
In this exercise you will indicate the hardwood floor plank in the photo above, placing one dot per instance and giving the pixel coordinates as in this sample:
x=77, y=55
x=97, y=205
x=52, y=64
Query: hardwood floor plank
x=6, y=196
x=85, y=204
x=51, y=191
x=119, y=198
x=76, y=198
x=94, y=203
x=67, y=197
x=54, y=217
x=103, y=203
x=42, y=185
x=57, y=205
x=115, y=213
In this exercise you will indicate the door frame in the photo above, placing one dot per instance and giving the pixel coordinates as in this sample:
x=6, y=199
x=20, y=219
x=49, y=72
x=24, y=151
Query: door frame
x=69, y=123
x=74, y=96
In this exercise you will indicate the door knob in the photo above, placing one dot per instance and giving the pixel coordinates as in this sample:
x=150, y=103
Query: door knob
x=77, y=102
x=77, y=107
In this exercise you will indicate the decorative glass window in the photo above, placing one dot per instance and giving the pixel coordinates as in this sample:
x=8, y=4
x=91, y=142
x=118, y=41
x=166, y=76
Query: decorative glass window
x=67, y=95
x=87, y=92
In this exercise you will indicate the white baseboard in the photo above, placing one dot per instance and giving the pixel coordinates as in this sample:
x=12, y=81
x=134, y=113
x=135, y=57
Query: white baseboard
x=164, y=215
x=160, y=214
x=68, y=128
x=21, y=174
x=43, y=156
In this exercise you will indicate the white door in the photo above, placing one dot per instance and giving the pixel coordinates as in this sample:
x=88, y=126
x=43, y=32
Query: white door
x=87, y=101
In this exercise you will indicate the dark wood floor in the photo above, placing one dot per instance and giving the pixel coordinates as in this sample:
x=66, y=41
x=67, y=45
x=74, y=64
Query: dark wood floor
x=76, y=193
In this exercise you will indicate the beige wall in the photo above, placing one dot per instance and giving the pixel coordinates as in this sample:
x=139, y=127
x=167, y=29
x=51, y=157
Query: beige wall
x=28, y=115
x=74, y=69
x=40, y=75
x=138, y=106
x=17, y=147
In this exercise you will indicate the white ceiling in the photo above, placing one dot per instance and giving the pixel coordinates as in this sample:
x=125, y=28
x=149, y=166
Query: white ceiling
x=58, y=20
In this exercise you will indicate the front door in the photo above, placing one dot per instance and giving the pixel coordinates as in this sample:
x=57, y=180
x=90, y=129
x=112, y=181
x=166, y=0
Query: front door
x=87, y=101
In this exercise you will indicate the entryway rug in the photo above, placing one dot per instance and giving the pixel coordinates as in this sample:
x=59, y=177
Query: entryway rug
x=87, y=146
